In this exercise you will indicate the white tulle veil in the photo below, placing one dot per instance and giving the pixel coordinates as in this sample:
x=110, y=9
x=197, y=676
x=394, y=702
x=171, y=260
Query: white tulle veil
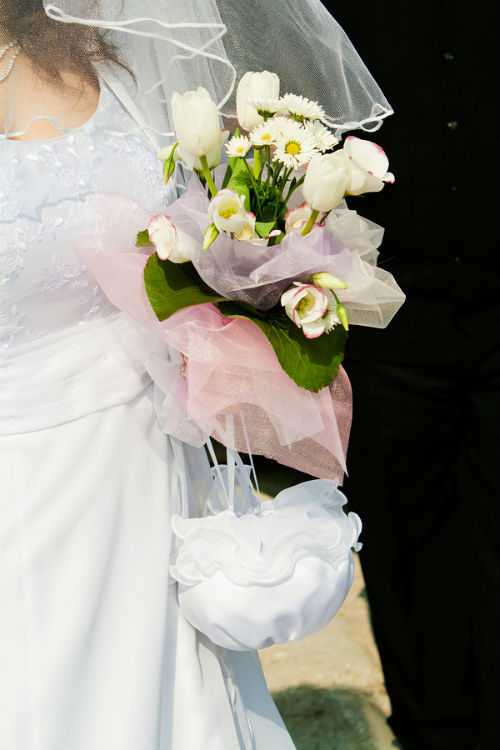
x=178, y=45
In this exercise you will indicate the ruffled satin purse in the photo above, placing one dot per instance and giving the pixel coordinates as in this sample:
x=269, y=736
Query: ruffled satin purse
x=260, y=573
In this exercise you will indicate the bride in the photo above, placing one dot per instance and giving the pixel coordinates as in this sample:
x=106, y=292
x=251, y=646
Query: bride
x=94, y=652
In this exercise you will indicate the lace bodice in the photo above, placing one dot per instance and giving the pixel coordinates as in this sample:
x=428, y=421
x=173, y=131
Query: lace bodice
x=87, y=189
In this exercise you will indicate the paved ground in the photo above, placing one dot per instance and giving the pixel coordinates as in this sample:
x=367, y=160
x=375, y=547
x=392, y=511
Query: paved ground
x=329, y=687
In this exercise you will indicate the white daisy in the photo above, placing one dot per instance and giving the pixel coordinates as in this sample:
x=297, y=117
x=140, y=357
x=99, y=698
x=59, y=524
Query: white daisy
x=263, y=134
x=294, y=145
x=268, y=107
x=323, y=137
x=303, y=109
x=238, y=146
x=279, y=125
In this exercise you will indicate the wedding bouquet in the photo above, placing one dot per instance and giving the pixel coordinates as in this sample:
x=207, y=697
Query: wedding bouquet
x=260, y=239
x=257, y=270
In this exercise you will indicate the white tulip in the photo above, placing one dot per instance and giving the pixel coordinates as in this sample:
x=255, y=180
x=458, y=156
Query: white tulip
x=213, y=156
x=196, y=122
x=367, y=166
x=325, y=181
x=165, y=238
x=255, y=87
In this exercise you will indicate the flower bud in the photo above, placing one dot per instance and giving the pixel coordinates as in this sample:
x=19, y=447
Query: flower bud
x=211, y=234
x=343, y=316
x=328, y=281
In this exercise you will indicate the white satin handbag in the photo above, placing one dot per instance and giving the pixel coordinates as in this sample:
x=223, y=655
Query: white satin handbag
x=260, y=573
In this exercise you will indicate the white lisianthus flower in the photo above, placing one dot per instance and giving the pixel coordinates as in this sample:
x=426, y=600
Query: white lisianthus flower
x=367, y=164
x=311, y=308
x=331, y=317
x=196, y=122
x=301, y=108
x=227, y=212
x=294, y=145
x=255, y=87
x=297, y=218
x=165, y=238
x=323, y=137
x=264, y=134
x=326, y=180
x=238, y=146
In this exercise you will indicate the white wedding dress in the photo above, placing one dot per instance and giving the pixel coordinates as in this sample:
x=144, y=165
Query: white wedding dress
x=94, y=653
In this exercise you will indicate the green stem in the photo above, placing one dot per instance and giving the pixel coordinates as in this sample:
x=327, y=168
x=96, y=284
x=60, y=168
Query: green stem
x=269, y=167
x=249, y=170
x=276, y=172
x=269, y=164
x=208, y=176
x=294, y=188
x=256, y=192
x=256, y=162
x=309, y=226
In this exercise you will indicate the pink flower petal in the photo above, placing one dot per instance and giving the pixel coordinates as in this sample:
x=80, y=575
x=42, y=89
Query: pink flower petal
x=314, y=330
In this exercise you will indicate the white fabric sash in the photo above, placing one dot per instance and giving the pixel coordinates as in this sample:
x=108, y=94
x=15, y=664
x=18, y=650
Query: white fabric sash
x=67, y=375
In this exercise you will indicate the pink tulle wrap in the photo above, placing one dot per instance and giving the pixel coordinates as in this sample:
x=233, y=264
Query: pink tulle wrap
x=229, y=384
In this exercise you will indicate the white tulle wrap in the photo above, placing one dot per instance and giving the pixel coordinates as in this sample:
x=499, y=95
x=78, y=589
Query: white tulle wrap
x=347, y=247
x=256, y=574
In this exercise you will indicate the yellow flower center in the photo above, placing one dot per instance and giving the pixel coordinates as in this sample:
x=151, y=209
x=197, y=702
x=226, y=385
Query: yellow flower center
x=293, y=148
x=304, y=305
x=228, y=212
x=266, y=137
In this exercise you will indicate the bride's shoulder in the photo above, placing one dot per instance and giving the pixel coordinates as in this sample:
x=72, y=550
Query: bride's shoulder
x=69, y=103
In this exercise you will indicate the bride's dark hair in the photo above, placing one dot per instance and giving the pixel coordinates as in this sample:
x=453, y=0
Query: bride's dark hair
x=55, y=47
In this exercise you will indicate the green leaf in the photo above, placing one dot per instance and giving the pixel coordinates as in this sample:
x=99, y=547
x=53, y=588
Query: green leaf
x=230, y=165
x=143, y=239
x=270, y=205
x=241, y=181
x=172, y=286
x=264, y=227
x=229, y=171
x=310, y=363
